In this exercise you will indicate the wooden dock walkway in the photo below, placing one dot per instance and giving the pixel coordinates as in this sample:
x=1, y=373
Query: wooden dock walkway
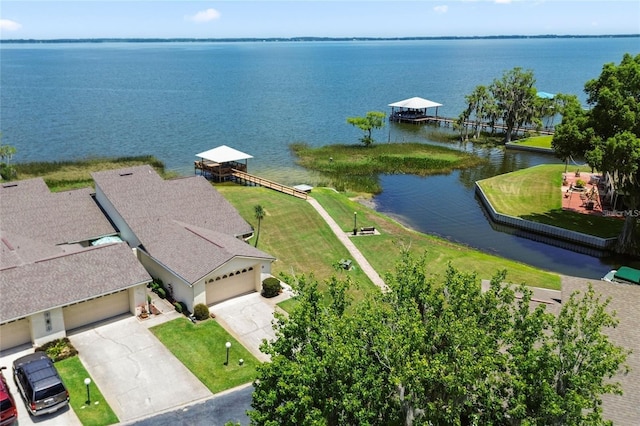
x=448, y=122
x=257, y=180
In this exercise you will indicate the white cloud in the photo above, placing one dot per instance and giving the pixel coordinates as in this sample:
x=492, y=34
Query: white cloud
x=204, y=16
x=441, y=9
x=9, y=25
x=503, y=1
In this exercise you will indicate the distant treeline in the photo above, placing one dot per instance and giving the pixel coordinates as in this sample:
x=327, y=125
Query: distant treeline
x=289, y=39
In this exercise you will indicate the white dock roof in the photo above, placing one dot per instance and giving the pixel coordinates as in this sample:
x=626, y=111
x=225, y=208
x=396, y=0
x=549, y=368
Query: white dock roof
x=223, y=154
x=415, y=103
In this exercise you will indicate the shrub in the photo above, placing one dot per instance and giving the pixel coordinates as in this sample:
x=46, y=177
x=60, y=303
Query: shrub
x=271, y=287
x=59, y=349
x=161, y=292
x=580, y=183
x=178, y=307
x=201, y=311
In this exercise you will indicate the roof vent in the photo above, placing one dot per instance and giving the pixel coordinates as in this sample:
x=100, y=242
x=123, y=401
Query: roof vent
x=126, y=174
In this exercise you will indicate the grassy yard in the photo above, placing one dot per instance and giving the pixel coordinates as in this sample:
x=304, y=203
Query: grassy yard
x=295, y=234
x=97, y=413
x=534, y=194
x=536, y=141
x=382, y=251
x=201, y=348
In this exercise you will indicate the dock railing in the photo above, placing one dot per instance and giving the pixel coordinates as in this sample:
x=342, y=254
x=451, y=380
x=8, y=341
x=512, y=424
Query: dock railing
x=257, y=180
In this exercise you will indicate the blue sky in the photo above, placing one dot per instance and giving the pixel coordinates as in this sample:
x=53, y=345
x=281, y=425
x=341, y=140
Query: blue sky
x=49, y=19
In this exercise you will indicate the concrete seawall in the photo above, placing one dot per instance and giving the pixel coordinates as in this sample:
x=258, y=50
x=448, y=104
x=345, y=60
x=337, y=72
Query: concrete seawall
x=542, y=228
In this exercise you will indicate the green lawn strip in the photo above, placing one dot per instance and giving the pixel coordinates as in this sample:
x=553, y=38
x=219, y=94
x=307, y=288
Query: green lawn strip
x=383, y=251
x=98, y=412
x=536, y=141
x=201, y=348
x=534, y=194
x=294, y=233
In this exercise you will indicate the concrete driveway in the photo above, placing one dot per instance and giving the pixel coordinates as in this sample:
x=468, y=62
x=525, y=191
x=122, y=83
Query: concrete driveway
x=137, y=374
x=249, y=319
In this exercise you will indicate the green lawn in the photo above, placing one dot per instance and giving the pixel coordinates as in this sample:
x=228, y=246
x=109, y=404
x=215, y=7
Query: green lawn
x=201, y=348
x=536, y=141
x=534, y=194
x=295, y=234
x=98, y=412
x=382, y=251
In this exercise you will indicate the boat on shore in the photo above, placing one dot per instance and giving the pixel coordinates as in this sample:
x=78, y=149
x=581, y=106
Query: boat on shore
x=624, y=275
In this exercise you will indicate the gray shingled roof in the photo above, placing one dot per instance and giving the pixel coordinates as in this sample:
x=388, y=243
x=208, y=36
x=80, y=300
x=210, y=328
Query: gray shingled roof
x=183, y=223
x=70, y=278
x=41, y=265
x=34, y=222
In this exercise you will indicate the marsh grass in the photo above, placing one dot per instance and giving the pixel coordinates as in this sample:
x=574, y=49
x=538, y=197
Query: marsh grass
x=356, y=167
x=66, y=175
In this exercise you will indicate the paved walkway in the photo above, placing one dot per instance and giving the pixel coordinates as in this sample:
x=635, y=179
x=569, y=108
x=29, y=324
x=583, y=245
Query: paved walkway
x=353, y=250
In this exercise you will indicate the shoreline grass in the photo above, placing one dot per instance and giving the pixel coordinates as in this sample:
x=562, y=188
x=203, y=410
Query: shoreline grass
x=74, y=174
x=357, y=167
x=534, y=194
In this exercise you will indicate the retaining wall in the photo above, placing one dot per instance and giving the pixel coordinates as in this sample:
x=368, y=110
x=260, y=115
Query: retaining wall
x=542, y=228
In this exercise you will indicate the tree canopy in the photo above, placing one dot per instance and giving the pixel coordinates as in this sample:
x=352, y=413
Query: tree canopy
x=511, y=101
x=607, y=136
x=436, y=351
x=373, y=120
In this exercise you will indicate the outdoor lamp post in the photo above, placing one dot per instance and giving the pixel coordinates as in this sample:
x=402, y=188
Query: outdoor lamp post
x=87, y=382
x=355, y=223
x=227, y=345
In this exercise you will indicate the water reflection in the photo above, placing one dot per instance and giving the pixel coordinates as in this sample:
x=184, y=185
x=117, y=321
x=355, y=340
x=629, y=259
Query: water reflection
x=446, y=206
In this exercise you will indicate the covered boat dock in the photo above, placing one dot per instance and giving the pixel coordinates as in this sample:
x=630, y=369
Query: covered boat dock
x=219, y=163
x=414, y=110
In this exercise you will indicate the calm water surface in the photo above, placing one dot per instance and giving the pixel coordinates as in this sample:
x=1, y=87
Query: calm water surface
x=174, y=100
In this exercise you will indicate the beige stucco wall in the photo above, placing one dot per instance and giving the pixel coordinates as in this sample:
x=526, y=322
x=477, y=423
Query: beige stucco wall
x=40, y=322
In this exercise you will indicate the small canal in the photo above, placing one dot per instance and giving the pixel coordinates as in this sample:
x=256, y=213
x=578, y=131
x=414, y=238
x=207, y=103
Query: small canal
x=446, y=205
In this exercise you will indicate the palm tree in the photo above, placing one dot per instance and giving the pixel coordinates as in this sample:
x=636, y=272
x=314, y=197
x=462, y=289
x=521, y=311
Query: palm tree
x=259, y=214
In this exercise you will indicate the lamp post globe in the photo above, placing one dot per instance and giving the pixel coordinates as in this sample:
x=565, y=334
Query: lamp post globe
x=87, y=382
x=355, y=223
x=228, y=346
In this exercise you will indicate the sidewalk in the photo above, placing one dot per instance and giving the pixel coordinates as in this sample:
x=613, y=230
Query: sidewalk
x=353, y=250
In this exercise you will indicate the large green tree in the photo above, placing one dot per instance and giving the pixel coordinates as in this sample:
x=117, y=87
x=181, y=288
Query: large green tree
x=373, y=120
x=516, y=99
x=436, y=351
x=607, y=136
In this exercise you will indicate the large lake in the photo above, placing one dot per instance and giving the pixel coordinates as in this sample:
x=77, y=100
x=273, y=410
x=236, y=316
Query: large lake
x=173, y=100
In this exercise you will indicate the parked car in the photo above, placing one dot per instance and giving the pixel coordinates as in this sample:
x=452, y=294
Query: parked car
x=39, y=384
x=8, y=411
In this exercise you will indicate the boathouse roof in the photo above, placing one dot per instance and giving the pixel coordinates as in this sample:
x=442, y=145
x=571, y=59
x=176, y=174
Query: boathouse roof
x=415, y=103
x=223, y=154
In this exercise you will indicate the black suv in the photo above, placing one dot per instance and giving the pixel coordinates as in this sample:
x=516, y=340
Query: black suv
x=39, y=384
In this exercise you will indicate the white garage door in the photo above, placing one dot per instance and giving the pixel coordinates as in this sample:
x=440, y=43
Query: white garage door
x=97, y=309
x=231, y=286
x=15, y=333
